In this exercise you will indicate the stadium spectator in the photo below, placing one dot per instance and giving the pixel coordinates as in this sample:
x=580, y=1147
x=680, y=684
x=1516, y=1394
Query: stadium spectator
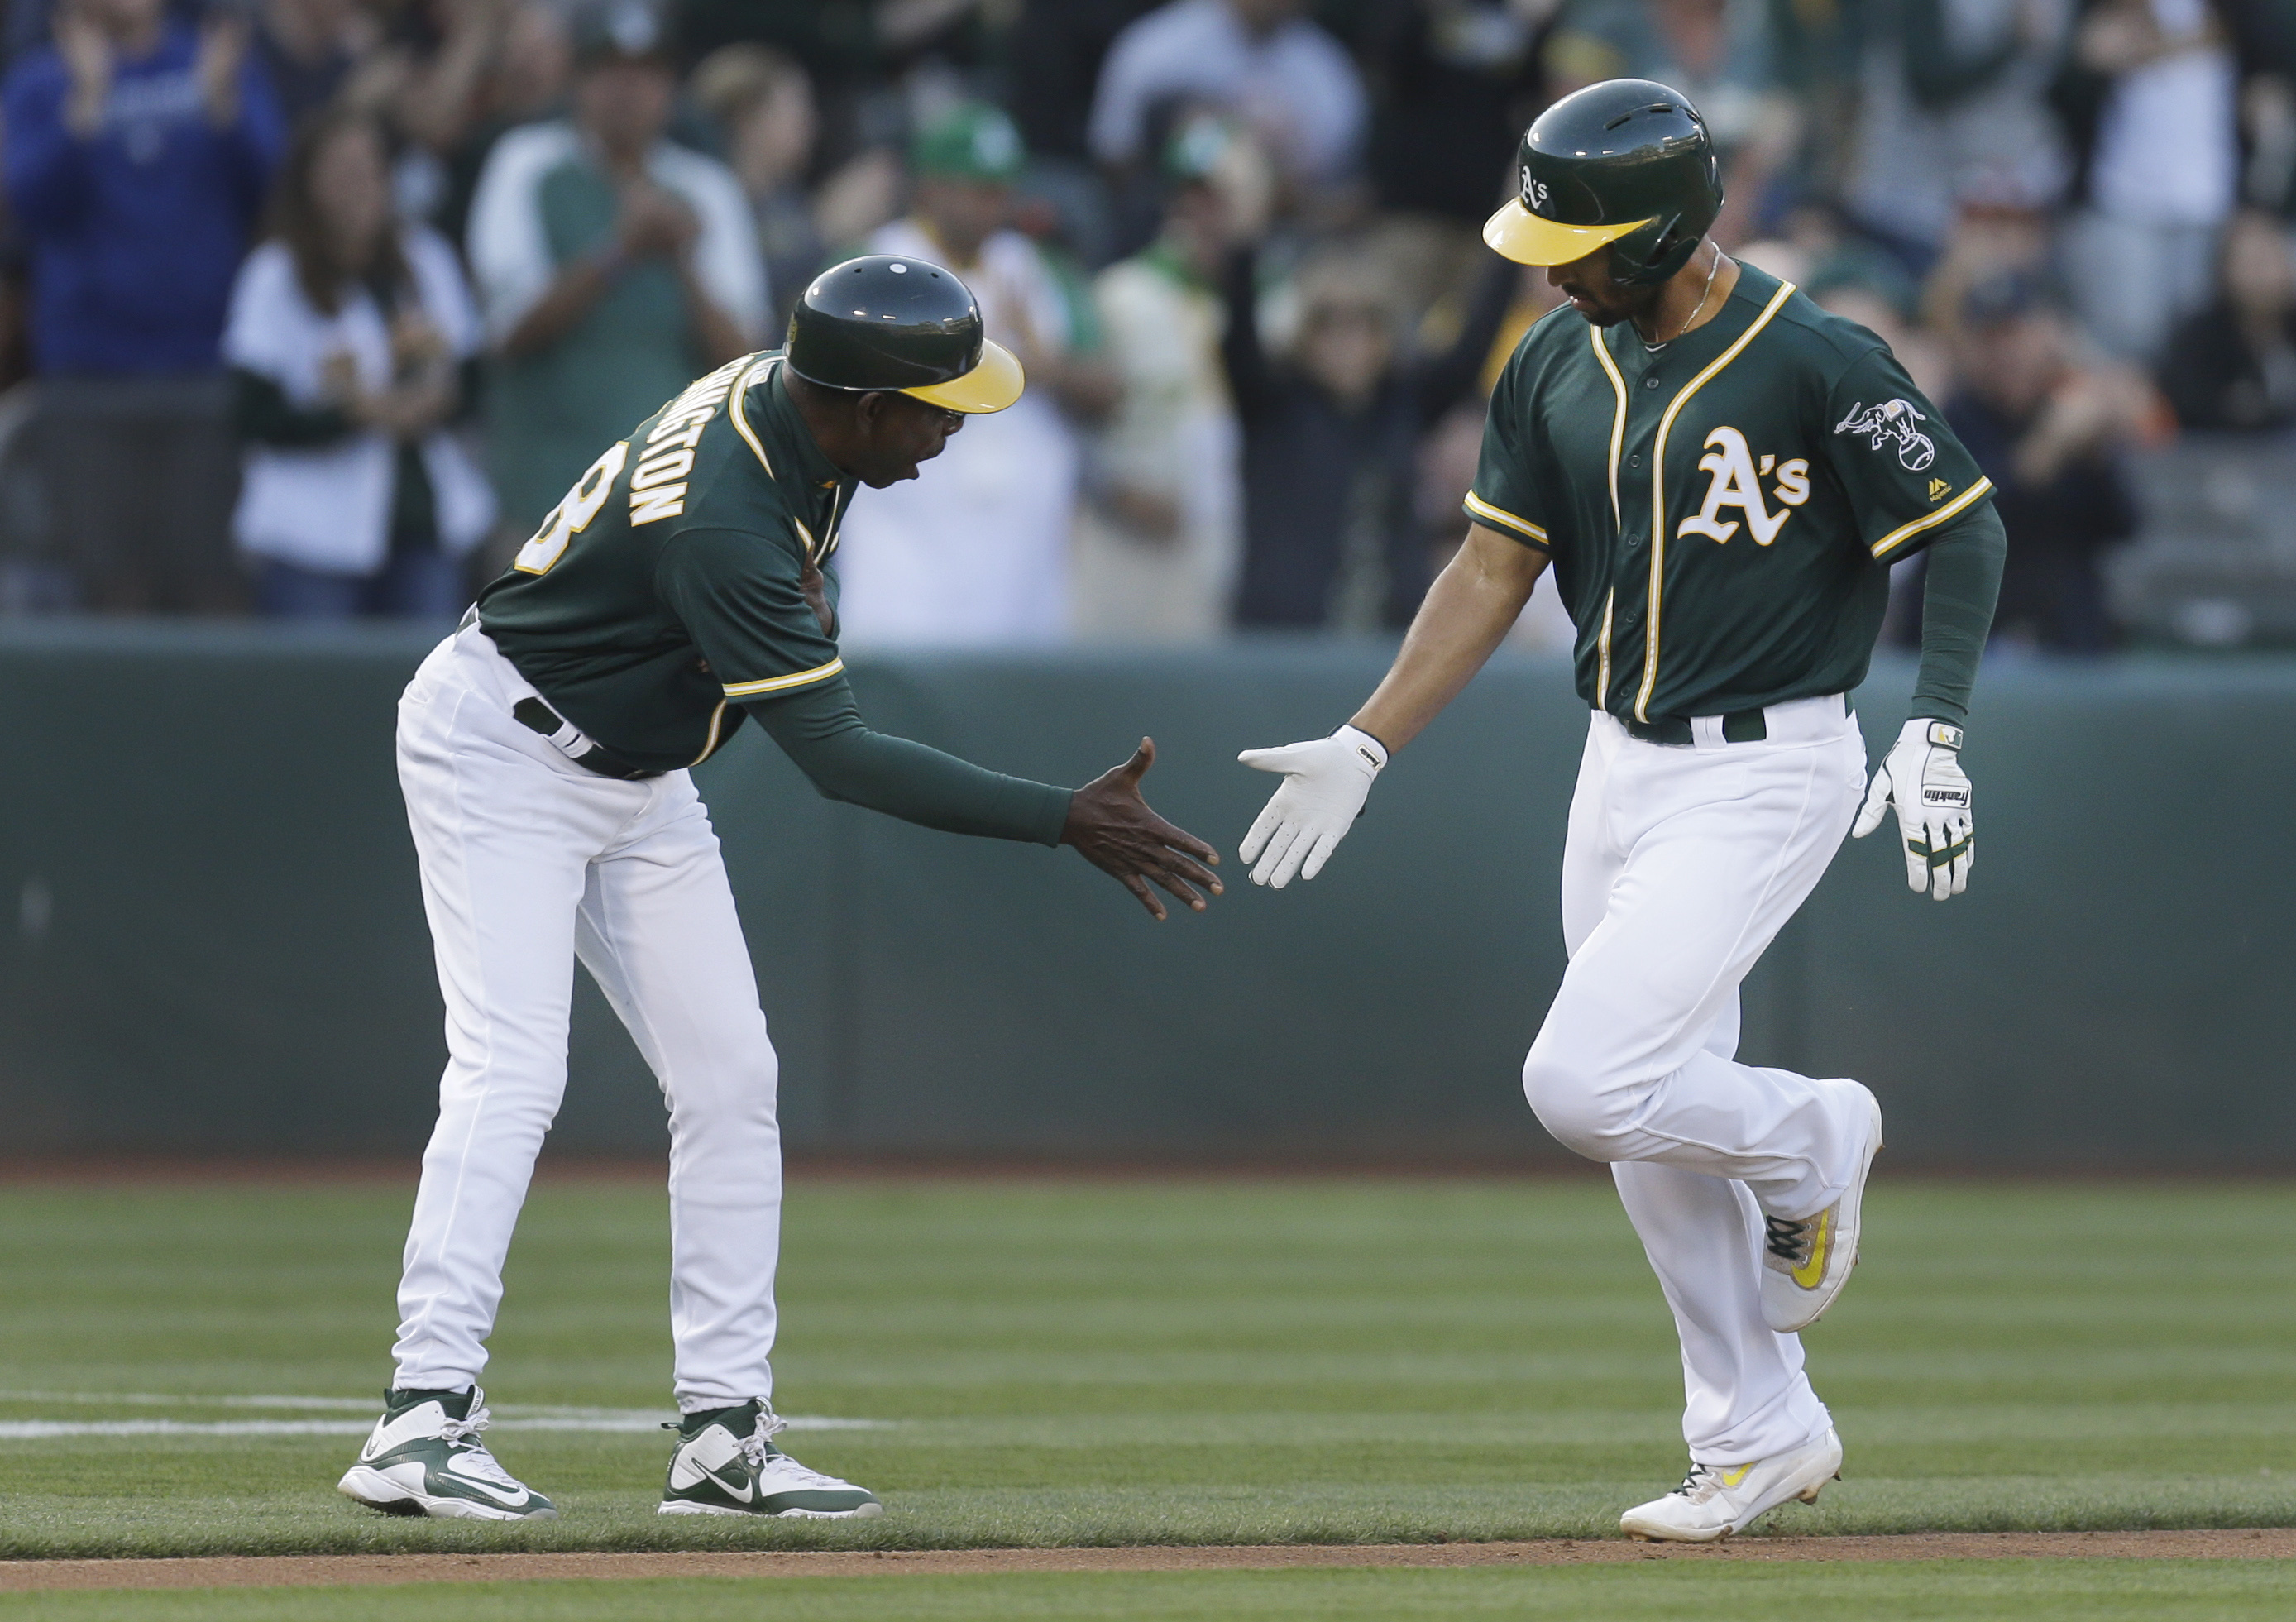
x=1954, y=110
x=2233, y=366
x=313, y=50
x=347, y=343
x=762, y=102
x=2048, y=429
x=525, y=83
x=1331, y=441
x=1454, y=82
x=612, y=267
x=978, y=553
x=1262, y=61
x=1055, y=52
x=137, y=152
x=2155, y=95
x=1157, y=546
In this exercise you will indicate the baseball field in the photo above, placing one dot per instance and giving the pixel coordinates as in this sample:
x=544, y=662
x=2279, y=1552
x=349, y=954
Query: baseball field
x=186, y=1366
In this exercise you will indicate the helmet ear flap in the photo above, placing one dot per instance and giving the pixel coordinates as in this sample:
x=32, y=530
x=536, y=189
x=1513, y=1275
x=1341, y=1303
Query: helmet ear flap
x=1655, y=253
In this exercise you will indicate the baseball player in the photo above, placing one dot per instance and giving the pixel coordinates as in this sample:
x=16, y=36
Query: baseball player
x=1720, y=474
x=679, y=587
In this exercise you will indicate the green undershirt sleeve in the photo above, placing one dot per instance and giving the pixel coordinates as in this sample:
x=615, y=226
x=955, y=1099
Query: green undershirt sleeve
x=1964, y=577
x=821, y=729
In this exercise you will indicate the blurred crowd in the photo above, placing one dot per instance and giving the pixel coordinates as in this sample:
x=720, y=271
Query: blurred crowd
x=313, y=308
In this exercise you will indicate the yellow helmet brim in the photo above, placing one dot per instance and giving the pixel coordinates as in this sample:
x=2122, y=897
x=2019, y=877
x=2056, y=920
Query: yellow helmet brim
x=991, y=386
x=1522, y=236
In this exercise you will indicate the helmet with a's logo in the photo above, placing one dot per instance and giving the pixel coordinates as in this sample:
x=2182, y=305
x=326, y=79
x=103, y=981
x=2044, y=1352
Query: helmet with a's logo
x=1626, y=164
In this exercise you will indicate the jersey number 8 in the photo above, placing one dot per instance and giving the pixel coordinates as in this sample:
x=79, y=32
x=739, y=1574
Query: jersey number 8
x=572, y=515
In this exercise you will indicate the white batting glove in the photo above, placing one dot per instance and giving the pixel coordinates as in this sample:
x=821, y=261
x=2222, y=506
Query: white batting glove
x=1325, y=783
x=1922, y=774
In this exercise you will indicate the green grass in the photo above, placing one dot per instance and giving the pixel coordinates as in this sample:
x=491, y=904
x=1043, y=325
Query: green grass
x=1967, y=1591
x=1169, y=1361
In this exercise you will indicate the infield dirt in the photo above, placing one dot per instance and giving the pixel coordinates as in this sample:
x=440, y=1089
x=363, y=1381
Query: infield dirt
x=18, y=1576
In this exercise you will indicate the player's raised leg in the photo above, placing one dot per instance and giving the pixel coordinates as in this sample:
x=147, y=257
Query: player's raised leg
x=1720, y=848
x=659, y=932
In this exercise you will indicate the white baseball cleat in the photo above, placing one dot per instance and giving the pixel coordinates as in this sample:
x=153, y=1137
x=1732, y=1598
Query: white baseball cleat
x=727, y=1464
x=1715, y=1501
x=425, y=1458
x=1805, y=1263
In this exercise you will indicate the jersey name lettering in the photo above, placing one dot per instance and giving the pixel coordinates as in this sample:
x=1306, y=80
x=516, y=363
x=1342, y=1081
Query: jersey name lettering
x=669, y=453
x=1734, y=482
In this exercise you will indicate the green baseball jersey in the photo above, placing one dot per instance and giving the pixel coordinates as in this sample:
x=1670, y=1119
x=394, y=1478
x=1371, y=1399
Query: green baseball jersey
x=667, y=588
x=1721, y=513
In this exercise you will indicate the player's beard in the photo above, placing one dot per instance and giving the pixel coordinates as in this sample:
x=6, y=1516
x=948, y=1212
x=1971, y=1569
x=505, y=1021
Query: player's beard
x=1603, y=302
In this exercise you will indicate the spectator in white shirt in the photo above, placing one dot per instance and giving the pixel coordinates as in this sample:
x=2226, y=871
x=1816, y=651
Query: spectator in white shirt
x=2163, y=169
x=1261, y=61
x=347, y=340
x=978, y=554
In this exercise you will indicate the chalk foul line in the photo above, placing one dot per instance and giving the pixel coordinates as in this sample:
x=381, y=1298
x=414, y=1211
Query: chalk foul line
x=507, y=1416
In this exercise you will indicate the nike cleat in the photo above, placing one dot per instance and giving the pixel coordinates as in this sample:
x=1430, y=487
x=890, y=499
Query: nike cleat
x=1715, y=1501
x=727, y=1464
x=425, y=1458
x=1805, y=1263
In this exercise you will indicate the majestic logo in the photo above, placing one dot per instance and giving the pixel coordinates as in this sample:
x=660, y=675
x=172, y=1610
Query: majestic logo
x=1939, y=489
x=1892, y=422
x=1534, y=192
x=1736, y=481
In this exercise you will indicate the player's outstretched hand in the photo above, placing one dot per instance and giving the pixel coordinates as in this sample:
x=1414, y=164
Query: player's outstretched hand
x=1922, y=774
x=1113, y=828
x=1325, y=783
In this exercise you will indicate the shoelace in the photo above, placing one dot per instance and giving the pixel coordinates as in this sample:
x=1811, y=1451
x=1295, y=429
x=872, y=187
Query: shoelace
x=1699, y=1485
x=1788, y=1240
x=758, y=1446
x=463, y=1437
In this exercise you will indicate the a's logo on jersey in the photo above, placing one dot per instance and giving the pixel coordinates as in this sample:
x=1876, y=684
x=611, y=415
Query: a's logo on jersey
x=1734, y=481
x=1939, y=489
x=1534, y=192
x=1892, y=422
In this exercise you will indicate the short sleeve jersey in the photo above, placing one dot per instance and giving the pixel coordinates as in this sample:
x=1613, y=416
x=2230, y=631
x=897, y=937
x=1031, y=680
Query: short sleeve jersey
x=1722, y=511
x=667, y=588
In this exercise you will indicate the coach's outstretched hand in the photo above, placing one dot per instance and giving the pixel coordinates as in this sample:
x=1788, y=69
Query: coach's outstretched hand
x=1113, y=828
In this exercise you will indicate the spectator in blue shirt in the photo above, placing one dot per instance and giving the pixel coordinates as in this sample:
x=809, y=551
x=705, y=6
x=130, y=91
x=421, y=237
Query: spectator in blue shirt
x=137, y=153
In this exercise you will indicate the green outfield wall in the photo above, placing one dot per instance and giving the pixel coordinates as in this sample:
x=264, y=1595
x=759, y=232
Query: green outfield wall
x=211, y=940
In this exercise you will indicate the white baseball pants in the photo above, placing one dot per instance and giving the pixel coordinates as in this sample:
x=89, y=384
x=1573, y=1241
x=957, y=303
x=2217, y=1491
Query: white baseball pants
x=1682, y=865
x=527, y=862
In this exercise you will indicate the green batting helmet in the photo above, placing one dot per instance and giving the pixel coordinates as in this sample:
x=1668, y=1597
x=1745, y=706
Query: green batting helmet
x=1626, y=164
x=904, y=326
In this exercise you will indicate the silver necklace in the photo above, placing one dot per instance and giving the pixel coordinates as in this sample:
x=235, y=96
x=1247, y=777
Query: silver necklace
x=1707, y=292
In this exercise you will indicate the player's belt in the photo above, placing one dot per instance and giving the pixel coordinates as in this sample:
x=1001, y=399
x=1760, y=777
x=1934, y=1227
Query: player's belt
x=535, y=716
x=1738, y=726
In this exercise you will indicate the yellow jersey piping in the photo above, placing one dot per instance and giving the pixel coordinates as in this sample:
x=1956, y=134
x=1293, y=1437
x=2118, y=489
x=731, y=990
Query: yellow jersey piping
x=741, y=420
x=782, y=683
x=836, y=518
x=1603, y=653
x=1657, y=493
x=1617, y=418
x=710, y=747
x=1523, y=527
x=1958, y=504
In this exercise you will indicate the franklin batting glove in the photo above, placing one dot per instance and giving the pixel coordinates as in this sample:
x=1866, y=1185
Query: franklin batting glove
x=1325, y=784
x=1922, y=774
